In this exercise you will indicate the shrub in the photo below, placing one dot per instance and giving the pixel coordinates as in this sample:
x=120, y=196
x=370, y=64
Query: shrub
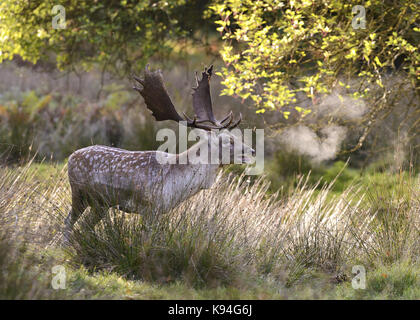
x=53, y=126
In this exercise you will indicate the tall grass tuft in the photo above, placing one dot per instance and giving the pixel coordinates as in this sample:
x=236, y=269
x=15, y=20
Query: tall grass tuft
x=230, y=235
x=21, y=228
x=395, y=233
x=236, y=231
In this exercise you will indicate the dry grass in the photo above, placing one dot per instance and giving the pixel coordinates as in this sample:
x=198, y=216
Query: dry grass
x=230, y=235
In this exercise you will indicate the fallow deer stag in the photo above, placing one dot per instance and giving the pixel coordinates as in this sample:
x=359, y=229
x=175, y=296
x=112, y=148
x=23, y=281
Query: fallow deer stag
x=135, y=181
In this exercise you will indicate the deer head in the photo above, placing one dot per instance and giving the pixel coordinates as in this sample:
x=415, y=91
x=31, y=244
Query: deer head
x=158, y=101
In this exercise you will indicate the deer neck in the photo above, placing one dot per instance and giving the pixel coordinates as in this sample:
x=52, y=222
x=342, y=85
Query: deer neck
x=206, y=171
x=186, y=178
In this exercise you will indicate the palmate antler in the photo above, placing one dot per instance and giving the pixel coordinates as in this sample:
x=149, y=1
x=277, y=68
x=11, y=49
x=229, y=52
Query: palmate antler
x=158, y=101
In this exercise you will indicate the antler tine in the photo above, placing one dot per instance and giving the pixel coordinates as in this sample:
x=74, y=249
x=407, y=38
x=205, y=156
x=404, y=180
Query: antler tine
x=229, y=116
x=229, y=122
x=139, y=80
x=189, y=120
x=220, y=123
x=237, y=122
x=193, y=123
x=216, y=125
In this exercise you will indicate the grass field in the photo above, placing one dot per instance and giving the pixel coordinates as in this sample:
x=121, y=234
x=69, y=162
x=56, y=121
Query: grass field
x=238, y=240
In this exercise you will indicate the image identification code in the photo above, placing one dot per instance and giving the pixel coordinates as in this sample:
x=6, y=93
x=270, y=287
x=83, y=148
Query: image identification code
x=216, y=309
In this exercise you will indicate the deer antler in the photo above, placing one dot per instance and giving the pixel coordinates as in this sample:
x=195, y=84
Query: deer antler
x=202, y=104
x=158, y=101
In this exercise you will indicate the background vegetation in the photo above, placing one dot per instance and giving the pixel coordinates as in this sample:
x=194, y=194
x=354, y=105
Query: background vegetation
x=340, y=109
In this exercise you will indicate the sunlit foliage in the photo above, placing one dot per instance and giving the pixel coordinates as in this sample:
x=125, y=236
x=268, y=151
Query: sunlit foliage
x=276, y=49
x=115, y=34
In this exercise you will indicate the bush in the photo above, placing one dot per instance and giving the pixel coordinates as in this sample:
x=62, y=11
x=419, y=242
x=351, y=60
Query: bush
x=53, y=126
x=285, y=169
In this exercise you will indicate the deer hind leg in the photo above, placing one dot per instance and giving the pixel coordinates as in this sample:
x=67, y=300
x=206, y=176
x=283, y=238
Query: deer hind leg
x=78, y=206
